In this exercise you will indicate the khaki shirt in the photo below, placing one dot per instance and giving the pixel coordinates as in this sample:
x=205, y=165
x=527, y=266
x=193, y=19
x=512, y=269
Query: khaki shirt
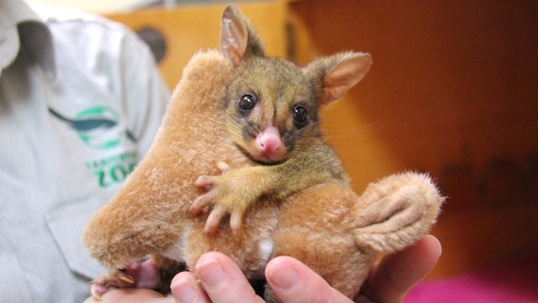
x=80, y=102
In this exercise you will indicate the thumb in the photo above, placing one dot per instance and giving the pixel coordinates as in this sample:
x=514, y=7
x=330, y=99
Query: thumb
x=292, y=281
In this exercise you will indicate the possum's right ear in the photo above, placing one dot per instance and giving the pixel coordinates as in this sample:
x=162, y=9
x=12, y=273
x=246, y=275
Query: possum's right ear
x=238, y=38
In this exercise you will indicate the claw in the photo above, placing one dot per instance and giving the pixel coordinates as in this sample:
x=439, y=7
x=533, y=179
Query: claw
x=125, y=278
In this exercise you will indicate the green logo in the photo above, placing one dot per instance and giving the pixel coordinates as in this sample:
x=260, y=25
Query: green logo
x=96, y=126
x=103, y=133
x=99, y=128
x=114, y=169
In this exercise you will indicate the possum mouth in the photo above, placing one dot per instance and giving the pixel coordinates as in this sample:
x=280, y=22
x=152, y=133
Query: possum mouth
x=259, y=161
x=268, y=158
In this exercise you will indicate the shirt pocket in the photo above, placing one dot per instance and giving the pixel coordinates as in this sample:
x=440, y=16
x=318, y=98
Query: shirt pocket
x=67, y=225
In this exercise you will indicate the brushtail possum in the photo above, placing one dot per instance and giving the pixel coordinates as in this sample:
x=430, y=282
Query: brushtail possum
x=272, y=116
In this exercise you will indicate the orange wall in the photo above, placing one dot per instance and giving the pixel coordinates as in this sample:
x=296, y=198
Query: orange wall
x=453, y=91
x=190, y=28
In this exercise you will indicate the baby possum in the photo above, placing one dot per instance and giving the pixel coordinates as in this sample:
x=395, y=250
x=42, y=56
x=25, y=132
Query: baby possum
x=272, y=115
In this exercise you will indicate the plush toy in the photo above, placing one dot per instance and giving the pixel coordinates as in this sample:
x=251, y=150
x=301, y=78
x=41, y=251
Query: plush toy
x=325, y=224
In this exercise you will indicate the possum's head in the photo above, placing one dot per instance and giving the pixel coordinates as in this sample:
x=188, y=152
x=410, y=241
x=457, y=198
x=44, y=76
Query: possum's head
x=272, y=105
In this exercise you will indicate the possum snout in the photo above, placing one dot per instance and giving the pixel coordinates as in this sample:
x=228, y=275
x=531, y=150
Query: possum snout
x=269, y=145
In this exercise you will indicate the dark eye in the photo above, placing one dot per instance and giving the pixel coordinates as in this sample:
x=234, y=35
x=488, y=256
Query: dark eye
x=247, y=102
x=300, y=116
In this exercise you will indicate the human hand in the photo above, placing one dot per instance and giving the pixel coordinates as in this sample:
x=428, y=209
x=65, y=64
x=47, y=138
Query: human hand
x=131, y=295
x=292, y=281
x=394, y=275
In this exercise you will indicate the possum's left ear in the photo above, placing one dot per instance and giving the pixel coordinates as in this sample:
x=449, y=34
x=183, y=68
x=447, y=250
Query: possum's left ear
x=238, y=39
x=333, y=76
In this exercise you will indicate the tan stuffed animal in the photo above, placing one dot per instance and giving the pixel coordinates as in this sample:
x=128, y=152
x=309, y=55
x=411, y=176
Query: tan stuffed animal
x=325, y=225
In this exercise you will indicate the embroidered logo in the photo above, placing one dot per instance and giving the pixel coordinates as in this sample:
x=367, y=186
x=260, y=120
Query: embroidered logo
x=99, y=128
x=96, y=126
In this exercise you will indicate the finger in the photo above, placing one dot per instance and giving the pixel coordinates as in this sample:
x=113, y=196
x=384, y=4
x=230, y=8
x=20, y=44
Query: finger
x=203, y=182
x=97, y=290
x=292, y=281
x=129, y=295
x=224, y=167
x=202, y=201
x=185, y=289
x=213, y=221
x=223, y=280
x=395, y=274
x=236, y=222
x=101, y=284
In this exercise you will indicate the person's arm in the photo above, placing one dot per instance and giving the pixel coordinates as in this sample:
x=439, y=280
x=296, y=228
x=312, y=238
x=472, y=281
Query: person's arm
x=292, y=281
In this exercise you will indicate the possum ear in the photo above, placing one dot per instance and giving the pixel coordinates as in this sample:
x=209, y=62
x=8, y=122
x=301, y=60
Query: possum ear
x=333, y=76
x=238, y=39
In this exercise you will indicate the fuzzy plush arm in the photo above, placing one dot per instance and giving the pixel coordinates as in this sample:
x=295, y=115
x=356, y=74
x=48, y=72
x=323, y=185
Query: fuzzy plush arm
x=396, y=211
x=150, y=210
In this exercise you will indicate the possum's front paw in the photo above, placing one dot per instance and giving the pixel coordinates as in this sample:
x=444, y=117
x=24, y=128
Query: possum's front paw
x=228, y=197
x=138, y=274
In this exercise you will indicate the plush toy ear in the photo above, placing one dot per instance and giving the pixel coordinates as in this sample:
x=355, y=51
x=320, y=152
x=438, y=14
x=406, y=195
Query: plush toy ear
x=396, y=211
x=238, y=38
x=335, y=75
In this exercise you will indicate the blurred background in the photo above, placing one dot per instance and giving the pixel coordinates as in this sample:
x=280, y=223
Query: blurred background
x=453, y=91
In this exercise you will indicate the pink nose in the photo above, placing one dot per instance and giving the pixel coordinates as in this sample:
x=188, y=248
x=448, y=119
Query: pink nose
x=269, y=141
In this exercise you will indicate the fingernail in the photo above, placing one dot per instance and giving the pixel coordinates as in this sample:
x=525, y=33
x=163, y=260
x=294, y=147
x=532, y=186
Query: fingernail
x=284, y=277
x=210, y=271
x=183, y=290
